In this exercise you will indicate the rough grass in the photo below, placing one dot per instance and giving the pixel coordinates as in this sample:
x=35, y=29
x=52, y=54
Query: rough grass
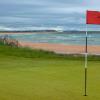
x=30, y=53
x=32, y=77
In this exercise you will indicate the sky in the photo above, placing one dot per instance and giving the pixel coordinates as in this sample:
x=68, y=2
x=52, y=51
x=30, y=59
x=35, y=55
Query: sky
x=46, y=14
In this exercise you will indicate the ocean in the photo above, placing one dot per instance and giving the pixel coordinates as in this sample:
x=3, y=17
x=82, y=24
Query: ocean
x=58, y=38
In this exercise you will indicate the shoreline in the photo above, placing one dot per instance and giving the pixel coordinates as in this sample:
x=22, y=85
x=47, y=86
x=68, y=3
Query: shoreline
x=58, y=48
x=8, y=33
x=61, y=48
x=47, y=32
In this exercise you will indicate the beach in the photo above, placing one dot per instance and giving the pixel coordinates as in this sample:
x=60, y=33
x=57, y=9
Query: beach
x=55, y=47
x=61, y=48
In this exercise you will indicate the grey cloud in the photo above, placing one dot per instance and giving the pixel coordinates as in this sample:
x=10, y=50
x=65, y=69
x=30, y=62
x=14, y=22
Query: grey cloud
x=45, y=12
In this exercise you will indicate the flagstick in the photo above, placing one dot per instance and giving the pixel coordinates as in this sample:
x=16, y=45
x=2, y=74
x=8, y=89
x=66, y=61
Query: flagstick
x=86, y=55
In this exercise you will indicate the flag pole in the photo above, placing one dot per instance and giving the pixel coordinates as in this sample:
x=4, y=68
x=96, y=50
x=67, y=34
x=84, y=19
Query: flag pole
x=86, y=60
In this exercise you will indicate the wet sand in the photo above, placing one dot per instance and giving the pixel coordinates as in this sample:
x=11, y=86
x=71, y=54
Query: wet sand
x=61, y=48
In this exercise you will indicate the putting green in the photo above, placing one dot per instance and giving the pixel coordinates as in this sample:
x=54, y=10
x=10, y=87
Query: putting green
x=47, y=79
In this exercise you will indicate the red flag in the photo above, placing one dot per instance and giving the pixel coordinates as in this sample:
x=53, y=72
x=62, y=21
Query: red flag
x=93, y=17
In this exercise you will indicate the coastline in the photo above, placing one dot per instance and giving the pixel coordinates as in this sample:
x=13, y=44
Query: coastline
x=57, y=48
x=61, y=48
x=8, y=33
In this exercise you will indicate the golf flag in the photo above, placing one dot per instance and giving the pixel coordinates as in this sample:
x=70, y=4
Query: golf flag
x=93, y=17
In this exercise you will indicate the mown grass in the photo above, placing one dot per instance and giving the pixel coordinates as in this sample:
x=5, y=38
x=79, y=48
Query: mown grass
x=27, y=74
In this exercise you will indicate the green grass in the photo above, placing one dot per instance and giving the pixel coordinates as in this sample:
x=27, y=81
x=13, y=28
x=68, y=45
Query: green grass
x=25, y=75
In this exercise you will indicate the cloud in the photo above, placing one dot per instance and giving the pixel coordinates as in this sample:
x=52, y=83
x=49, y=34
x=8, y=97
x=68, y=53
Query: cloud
x=57, y=28
x=3, y=28
x=26, y=13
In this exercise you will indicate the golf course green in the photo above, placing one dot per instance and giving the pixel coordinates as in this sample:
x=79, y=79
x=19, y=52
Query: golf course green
x=27, y=74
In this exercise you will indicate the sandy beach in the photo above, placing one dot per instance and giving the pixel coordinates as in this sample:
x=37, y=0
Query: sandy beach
x=57, y=48
x=61, y=48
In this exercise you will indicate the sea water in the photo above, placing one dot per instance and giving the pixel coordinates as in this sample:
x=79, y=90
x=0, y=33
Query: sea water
x=58, y=38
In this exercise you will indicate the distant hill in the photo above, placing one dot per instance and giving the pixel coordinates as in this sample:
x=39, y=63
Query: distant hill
x=72, y=32
x=29, y=31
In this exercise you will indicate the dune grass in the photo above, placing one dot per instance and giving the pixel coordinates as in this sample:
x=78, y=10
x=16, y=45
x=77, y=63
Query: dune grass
x=30, y=53
x=27, y=74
